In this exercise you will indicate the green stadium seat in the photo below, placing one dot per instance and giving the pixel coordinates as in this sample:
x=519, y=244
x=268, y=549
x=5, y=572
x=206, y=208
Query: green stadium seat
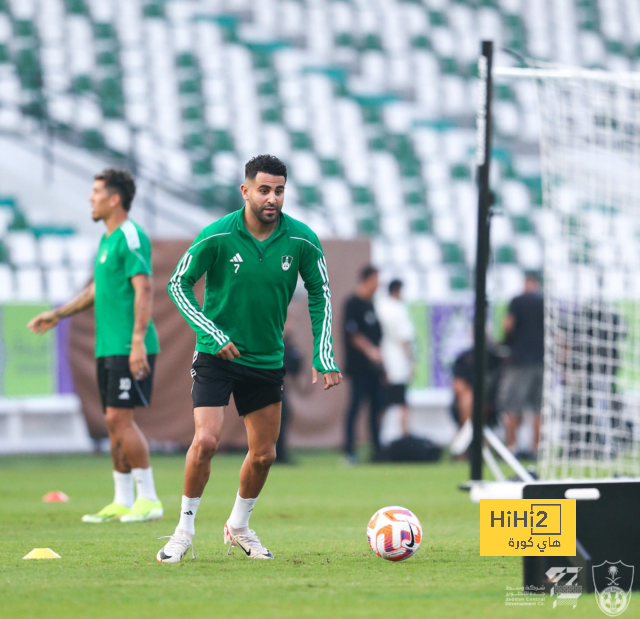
x=186, y=61
x=92, y=139
x=309, y=196
x=5, y=56
x=29, y=70
x=344, y=39
x=522, y=225
x=202, y=167
x=421, y=41
x=153, y=8
x=371, y=42
x=460, y=171
x=505, y=254
x=189, y=87
x=449, y=66
x=81, y=84
x=361, y=195
x=368, y=226
x=421, y=224
x=272, y=115
x=410, y=167
x=222, y=141
x=268, y=88
x=452, y=253
x=191, y=113
x=437, y=18
x=372, y=113
x=76, y=7
x=194, y=141
x=330, y=167
x=104, y=30
x=107, y=58
x=459, y=280
x=24, y=28
x=300, y=140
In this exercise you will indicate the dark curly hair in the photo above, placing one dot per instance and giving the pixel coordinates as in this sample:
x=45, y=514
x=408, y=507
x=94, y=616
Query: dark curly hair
x=265, y=163
x=120, y=182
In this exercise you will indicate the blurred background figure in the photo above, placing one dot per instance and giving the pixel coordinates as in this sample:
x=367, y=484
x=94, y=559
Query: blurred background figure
x=521, y=386
x=363, y=333
x=396, y=349
x=462, y=385
x=293, y=365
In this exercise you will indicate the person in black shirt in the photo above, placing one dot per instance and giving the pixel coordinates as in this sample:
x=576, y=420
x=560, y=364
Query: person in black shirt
x=364, y=361
x=521, y=386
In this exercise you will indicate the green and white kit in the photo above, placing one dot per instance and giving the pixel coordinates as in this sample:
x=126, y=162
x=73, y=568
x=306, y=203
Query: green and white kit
x=121, y=255
x=248, y=287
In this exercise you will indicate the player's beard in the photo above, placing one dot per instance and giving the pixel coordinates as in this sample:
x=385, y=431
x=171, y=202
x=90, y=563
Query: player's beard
x=263, y=217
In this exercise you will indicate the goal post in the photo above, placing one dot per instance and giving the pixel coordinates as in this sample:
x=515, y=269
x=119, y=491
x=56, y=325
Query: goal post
x=589, y=225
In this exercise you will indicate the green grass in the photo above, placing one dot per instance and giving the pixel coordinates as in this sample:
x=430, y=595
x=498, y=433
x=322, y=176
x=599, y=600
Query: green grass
x=312, y=516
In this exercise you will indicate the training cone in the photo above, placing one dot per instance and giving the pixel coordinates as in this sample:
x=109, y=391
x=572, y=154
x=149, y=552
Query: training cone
x=42, y=553
x=55, y=497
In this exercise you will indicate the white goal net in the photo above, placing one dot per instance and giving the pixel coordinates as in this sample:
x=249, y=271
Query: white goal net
x=590, y=155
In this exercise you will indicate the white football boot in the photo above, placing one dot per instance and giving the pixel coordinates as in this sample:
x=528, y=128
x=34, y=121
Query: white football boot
x=175, y=548
x=248, y=542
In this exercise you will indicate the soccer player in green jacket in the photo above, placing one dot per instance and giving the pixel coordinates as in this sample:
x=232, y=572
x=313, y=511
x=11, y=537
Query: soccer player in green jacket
x=126, y=343
x=251, y=259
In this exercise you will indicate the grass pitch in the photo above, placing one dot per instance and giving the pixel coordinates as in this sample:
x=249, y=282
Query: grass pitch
x=312, y=516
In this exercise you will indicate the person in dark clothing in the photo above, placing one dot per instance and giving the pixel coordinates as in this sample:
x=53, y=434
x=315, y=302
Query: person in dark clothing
x=521, y=386
x=293, y=364
x=363, y=334
x=462, y=371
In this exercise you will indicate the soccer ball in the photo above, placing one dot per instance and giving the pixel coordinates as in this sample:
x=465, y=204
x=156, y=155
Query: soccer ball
x=394, y=533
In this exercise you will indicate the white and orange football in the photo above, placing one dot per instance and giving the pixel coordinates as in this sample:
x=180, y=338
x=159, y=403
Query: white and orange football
x=394, y=533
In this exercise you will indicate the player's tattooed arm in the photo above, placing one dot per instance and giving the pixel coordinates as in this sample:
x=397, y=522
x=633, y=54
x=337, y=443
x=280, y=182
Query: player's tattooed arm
x=47, y=320
x=138, y=362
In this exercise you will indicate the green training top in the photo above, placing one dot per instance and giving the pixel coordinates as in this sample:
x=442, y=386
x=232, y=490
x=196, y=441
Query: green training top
x=248, y=287
x=121, y=255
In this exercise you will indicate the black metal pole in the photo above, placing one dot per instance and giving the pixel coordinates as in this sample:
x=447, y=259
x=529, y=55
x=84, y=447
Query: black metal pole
x=483, y=158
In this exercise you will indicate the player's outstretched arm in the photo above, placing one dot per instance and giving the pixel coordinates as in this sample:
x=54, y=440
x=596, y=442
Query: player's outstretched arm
x=331, y=379
x=47, y=320
x=142, y=306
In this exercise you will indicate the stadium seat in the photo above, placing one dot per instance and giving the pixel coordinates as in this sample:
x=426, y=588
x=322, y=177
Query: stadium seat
x=58, y=285
x=52, y=250
x=375, y=102
x=80, y=251
x=22, y=248
x=29, y=284
x=7, y=285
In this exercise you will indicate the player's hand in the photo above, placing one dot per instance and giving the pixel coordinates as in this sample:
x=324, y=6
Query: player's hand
x=138, y=362
x=375, y=356
x=229, y=352
x=43, y=322
x=331, y=379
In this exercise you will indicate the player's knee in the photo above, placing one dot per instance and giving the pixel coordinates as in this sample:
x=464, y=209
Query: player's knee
x=116, y=419
x=206, y=444
x=264, y=460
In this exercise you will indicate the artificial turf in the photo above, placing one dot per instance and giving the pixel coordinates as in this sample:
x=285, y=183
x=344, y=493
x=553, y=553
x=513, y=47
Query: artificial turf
x=313, y=517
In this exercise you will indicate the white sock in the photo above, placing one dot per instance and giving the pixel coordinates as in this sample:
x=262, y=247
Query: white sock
x=145, y=488
x=123, y=483
x=188, y=511
x=241, y=513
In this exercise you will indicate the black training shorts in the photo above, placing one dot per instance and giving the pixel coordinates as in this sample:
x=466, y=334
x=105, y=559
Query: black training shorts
x=117, y=386
x=396, y=394
x=214, y=380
